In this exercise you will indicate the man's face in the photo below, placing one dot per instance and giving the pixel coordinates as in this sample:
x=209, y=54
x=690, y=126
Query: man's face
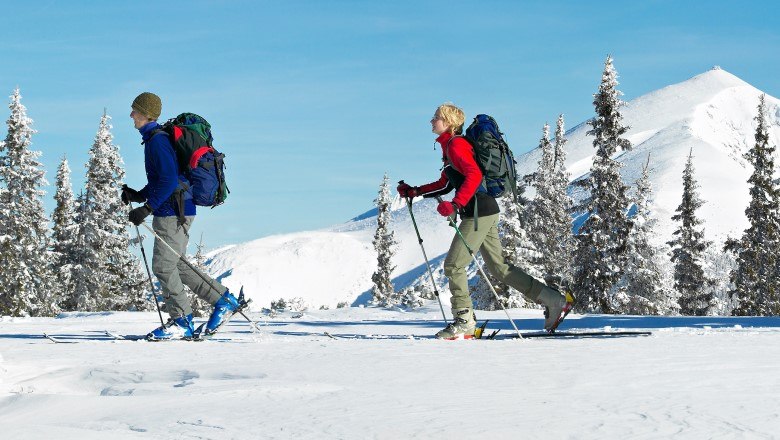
x=139, y=119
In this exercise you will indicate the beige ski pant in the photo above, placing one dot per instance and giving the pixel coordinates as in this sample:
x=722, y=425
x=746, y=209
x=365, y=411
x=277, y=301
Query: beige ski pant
x=486, y=240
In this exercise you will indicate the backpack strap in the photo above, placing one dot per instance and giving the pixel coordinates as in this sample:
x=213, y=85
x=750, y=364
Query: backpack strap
x=155, y=132
x=177, y=198
x=483, y=185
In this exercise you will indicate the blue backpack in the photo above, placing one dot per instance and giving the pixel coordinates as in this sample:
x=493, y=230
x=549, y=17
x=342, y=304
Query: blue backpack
x=201, y=164
x=493, y=156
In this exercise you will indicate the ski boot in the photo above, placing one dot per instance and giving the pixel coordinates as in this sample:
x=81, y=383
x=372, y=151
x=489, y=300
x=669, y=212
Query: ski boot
x=175, y=328
x=557, y=307
x=461, y=327
x=224, y=309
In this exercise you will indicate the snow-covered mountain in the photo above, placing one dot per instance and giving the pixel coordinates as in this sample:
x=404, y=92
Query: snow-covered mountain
x=710, y=114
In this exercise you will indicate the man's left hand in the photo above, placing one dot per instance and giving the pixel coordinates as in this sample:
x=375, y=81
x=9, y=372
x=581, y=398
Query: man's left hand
x=131, y=195
x=138, y=215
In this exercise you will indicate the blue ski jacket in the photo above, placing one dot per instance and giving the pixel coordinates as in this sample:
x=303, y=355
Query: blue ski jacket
x=162, y=173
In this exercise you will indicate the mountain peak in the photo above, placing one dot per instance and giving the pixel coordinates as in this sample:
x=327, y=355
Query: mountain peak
x=717, y=79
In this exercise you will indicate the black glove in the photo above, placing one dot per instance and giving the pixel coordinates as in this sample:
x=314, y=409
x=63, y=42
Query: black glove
x=131, y=195
x=138, y=215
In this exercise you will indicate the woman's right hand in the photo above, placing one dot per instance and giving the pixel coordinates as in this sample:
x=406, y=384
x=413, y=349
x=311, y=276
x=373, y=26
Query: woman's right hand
x=406, y=190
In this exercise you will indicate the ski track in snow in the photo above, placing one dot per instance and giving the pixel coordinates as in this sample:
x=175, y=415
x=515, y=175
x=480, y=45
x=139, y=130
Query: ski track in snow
x=709, y=377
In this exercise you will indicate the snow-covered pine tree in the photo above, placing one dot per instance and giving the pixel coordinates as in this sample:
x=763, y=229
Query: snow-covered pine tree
x=688, y=247
x=719, y=265
x=25, y=274
x=643, y=289
x=537, y=210
x=755, y=279
x=383, y=291
x=601, y=240
x=548, y=214
x=83, y=276
x=64, y=233
x=114, y=279
x=413, y=297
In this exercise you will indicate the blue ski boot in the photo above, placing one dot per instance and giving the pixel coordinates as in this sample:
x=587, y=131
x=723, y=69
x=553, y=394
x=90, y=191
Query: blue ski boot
x=175, y=328
x=223, y=310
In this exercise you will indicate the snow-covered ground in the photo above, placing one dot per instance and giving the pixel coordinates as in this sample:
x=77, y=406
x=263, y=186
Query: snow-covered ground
x=713, y=377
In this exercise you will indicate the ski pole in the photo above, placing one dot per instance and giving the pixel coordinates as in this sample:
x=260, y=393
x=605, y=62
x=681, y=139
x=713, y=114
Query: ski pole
x=481, y=271
x=148, y=272
x=195, y=269
x=425, y=255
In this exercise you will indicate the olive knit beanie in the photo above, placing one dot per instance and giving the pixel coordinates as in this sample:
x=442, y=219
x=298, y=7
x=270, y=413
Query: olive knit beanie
x=148, y=104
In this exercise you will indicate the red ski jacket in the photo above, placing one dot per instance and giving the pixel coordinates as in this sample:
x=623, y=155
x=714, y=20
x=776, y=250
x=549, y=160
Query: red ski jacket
x=458, y=153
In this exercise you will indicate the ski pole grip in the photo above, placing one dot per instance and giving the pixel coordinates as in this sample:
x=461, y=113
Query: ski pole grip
x=408, y=199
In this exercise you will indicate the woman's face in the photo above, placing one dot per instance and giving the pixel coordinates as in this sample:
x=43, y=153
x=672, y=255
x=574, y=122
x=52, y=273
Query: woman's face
x=438, y=125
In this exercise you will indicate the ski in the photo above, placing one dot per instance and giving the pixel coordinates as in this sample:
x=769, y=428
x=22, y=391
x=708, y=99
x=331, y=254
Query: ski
x=494, y=335
x=120, y=337
x=58, y=340
x=110, y=336
x=375, y=337
x=75, y=339
x=576, y=334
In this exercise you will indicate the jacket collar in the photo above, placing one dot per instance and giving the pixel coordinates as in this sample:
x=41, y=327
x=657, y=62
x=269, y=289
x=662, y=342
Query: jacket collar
x=147, y=130
x=444, y=138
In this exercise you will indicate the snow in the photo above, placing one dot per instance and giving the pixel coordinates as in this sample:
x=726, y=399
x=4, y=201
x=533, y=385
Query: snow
x=706, y=377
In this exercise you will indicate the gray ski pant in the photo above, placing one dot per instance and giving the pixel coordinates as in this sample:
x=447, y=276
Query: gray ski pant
x=173, y=274
x=487, y=241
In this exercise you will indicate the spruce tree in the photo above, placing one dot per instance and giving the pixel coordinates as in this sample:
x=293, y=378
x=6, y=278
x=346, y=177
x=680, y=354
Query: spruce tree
x=383, y=291
x=601, y=240
x=84, y=274
x=64, y=232
x=548, y=213
x=115, y=281
x=755, y=279
x=25, y=274
x=688, y=247
x=642, y=290
x=536, y=213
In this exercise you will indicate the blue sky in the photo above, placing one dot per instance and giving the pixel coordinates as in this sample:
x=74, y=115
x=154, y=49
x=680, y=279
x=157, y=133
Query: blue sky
x=313, y=101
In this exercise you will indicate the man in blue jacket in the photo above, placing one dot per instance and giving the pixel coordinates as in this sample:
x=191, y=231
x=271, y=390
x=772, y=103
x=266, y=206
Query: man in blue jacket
x=163, y=197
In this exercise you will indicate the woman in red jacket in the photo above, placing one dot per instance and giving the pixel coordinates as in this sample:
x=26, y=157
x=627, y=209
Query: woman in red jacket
x=461, y=173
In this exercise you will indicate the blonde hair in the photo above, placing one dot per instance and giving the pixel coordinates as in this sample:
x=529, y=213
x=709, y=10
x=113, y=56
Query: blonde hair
x=453, y=116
